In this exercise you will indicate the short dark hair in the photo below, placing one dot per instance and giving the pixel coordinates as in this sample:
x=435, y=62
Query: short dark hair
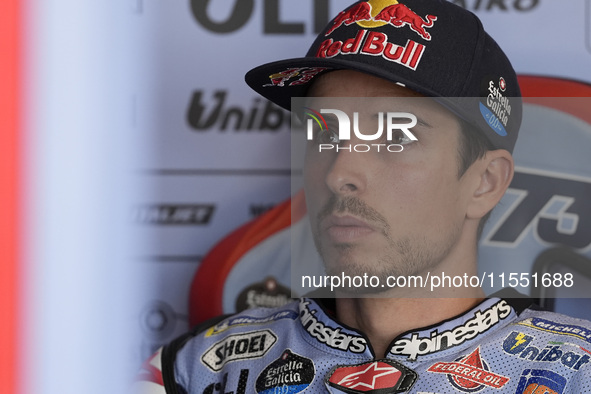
x=473, y=146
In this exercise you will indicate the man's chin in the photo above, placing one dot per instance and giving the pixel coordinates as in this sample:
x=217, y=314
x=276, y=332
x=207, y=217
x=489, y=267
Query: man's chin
x=361, y=292
x=356, y=280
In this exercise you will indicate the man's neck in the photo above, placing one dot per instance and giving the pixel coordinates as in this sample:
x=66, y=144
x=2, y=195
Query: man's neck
x=404, y=309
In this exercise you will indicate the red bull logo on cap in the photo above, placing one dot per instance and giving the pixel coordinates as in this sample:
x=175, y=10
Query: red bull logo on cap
x=376, y=13
x=303, y=75
x=373, y=14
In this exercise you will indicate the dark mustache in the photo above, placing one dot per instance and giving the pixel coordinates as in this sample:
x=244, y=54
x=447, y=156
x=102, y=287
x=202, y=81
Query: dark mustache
x=355, y=207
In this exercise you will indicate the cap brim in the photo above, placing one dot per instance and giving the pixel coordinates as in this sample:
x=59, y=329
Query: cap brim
x=259, y=78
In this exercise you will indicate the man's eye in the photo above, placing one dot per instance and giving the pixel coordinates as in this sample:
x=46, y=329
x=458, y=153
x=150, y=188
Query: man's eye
x=399, y=137
x=327, y=137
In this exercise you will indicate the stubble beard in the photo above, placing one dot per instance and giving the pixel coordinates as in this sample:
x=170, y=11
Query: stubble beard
x=405, y=256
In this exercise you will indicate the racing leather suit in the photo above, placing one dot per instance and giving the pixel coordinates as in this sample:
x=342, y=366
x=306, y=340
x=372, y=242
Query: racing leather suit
x=503, y=345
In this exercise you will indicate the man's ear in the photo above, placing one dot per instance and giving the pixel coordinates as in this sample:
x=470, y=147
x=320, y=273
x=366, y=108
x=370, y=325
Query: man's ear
x=494, y=172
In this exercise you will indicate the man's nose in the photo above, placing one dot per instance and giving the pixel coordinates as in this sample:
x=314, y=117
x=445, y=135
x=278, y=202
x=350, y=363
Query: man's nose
x=348, y=173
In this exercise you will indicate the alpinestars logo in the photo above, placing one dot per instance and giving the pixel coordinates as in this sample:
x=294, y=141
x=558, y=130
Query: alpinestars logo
x=376, y=377
x=470, y=373
x=438, y=341
x=332, y=337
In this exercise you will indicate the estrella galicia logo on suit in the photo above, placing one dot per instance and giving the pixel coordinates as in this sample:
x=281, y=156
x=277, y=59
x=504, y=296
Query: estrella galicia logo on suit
x=540, y=381
x=289, y=374
x=220, y=387
x=519, y=344
x=250, y=345
x=470, y=373
x=376, y=377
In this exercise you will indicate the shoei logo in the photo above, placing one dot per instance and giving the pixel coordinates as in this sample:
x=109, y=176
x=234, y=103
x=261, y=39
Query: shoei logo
x=398, y=125
x=249, y=345
x=376, y=13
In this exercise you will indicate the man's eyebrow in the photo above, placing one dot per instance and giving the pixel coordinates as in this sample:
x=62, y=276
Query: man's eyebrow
x=420, y=120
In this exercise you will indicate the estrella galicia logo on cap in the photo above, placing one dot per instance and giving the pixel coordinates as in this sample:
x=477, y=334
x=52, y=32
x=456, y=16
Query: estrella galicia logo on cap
x=540, y=381
x=494, y=106
x=376, y=13
x=290, y=374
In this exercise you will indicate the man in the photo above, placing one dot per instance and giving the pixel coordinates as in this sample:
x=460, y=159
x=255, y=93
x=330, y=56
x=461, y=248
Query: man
x=414, y=211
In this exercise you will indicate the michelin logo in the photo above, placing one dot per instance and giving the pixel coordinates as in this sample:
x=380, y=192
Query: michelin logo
x=249, y=320
x=579, y=332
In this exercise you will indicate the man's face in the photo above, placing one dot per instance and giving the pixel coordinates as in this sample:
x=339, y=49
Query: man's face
x=385, y=213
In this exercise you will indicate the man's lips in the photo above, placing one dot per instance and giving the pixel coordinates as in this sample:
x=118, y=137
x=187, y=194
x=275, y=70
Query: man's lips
x=342, y=229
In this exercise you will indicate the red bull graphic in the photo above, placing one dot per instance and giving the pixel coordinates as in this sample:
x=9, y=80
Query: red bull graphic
x=470, y=373
x=357, y=13
x=305, y=75
x=375, y=13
